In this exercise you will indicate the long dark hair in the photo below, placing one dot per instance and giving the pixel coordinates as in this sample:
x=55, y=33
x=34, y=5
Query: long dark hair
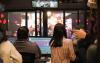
x=3, y=36
x=58, y=34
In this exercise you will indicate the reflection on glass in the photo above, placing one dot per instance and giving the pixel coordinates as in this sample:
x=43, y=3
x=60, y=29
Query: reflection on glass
x=70, y=20
x=38, y=24
x=35, y=29
x=41, y=24
x=15, y=20
x=38, y=18
x=53, y=18
x=31, y=23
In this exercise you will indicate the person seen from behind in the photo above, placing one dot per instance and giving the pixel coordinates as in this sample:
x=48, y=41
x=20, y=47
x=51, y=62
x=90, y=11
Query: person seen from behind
x=84, y=40
x=62, y=50
x=23, y=44
x=8, y=53
x=92, y=49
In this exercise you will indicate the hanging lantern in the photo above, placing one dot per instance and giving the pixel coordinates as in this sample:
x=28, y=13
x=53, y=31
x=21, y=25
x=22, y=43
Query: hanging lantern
x=92, y=4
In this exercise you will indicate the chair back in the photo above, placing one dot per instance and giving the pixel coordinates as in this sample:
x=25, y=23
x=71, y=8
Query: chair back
x=1, y=60
x=28, y=57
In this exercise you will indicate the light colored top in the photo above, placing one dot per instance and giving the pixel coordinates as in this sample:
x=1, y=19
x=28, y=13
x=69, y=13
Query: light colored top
x=9, y=54
x=63, y=54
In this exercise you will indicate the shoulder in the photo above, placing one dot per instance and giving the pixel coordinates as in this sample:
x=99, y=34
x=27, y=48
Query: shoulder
x=6, y=45
x=67, y=41
x=33, y=44
x=92, y=47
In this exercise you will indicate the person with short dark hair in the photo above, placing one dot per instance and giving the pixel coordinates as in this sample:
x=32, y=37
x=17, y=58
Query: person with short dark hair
x=22, y=43
x=8, y=53
x=62, y=50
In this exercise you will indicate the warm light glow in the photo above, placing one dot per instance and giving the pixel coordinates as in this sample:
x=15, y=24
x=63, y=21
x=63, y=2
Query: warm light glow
x=92, y=4
x=48, y=13
x=67, y=14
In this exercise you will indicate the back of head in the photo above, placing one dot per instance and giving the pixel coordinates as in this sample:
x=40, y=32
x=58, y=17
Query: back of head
x=3, y=36
x=58, y=34
x=59, y=31
x=22, y=33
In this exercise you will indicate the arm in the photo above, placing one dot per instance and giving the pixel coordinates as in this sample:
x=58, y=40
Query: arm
x=72, y=55
x=5, y=52
x=37, y=53
x=5, y=56
x=15, y=55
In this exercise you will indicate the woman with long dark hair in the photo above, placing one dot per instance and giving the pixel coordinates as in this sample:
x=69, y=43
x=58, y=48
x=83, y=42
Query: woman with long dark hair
x=62, y=50
x=8, y=53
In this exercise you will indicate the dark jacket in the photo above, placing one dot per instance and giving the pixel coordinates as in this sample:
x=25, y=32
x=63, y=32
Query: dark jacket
x=91, y=53
x=82, y=46
x=30, y=47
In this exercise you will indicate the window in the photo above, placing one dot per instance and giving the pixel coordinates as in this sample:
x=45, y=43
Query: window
x=54, y=17
x=15, y=20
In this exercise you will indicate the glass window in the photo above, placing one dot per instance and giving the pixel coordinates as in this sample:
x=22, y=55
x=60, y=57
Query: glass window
x=39, y=23
x=31, y=23
x=15, y=20
x=35, y=23
x=54, y=17
x=70, y=21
